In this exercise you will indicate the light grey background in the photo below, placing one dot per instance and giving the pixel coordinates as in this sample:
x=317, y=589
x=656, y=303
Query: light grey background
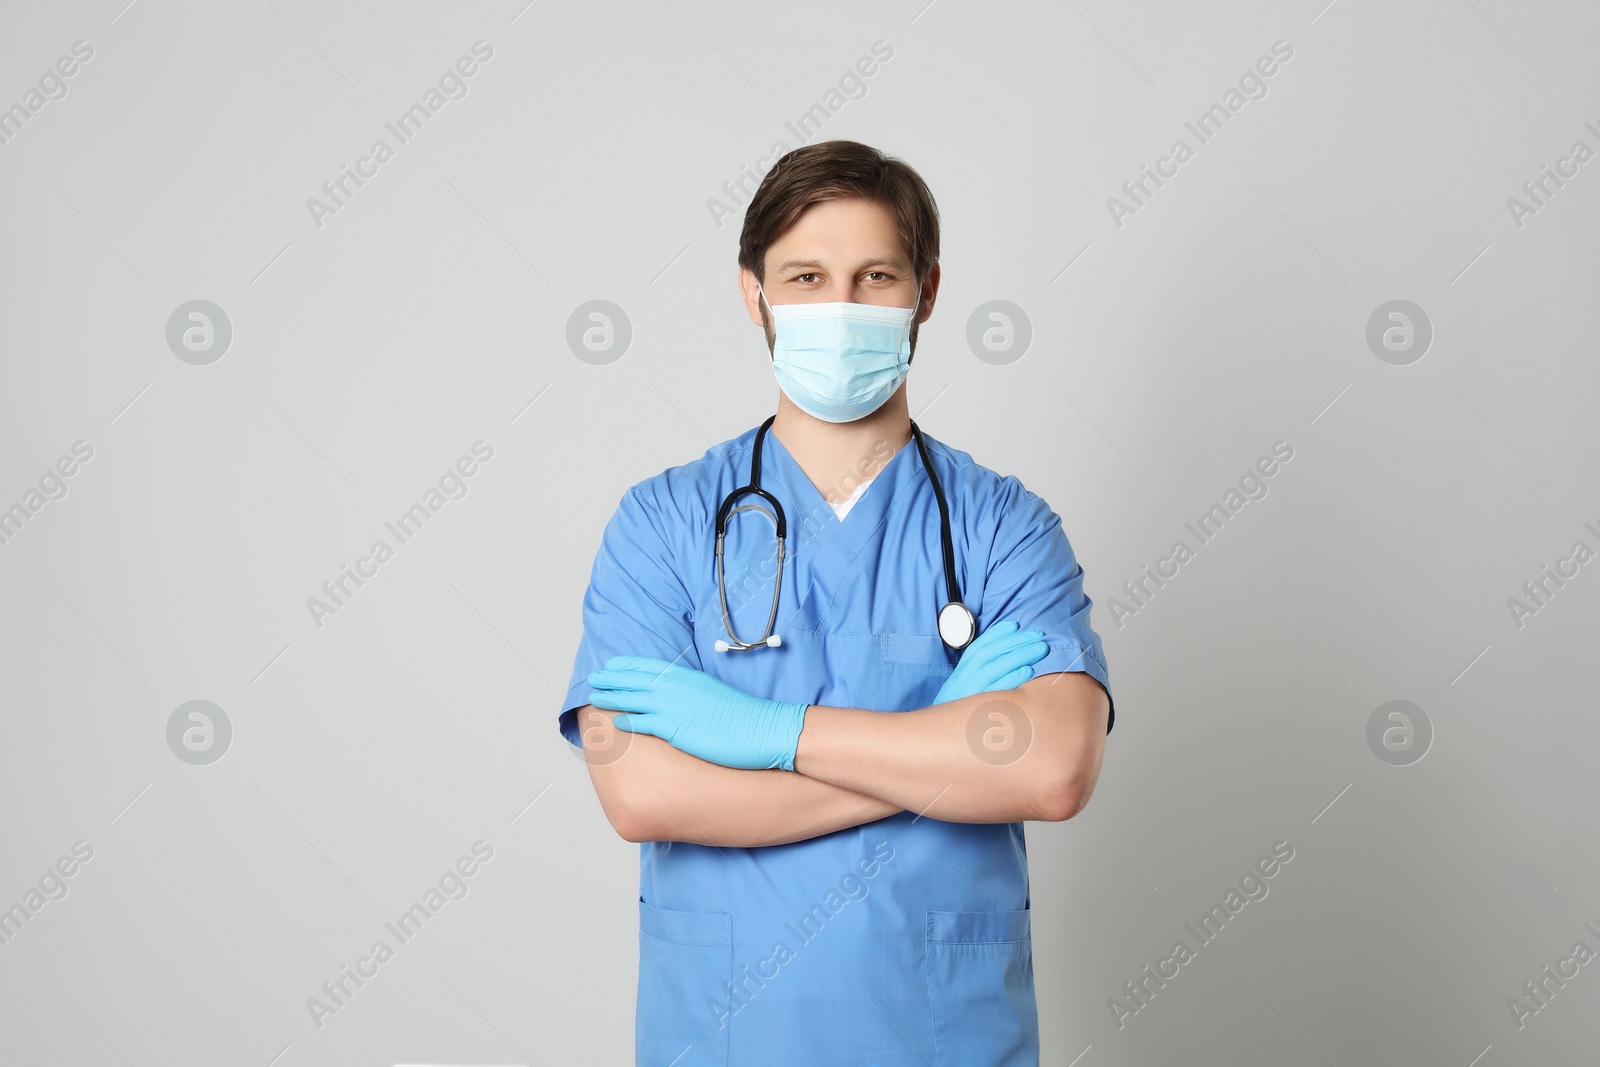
x=430, y=312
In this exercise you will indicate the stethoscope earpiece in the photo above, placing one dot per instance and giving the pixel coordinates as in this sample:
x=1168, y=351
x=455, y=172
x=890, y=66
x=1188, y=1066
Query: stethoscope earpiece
x=771, y=642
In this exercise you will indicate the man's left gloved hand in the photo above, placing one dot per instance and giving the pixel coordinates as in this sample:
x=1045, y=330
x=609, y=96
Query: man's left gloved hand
x=698, y=714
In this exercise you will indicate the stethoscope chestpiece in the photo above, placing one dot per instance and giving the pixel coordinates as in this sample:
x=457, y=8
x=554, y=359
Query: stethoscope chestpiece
x=957, y=626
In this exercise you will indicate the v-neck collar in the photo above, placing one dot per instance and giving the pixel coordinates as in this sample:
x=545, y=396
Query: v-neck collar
x=812, y=524
x=844, y=507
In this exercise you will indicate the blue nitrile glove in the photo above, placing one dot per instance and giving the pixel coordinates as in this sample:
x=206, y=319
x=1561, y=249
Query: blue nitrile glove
x=1002, y=657
x=698, y=714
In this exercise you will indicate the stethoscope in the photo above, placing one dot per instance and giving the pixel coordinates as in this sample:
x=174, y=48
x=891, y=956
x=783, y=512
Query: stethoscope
x=957, y=625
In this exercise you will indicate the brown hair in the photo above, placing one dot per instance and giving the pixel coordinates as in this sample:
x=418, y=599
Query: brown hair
x=838, y=170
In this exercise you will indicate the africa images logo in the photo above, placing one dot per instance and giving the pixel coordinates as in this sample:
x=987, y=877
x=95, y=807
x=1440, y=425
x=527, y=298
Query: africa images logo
x=1141, y=991
x=452, y=485
x=452, y=85
x=1252, y=486
x=1210, y=122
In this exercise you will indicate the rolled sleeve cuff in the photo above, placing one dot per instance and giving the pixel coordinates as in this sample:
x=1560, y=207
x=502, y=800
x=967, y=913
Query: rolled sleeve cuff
x=577, y=697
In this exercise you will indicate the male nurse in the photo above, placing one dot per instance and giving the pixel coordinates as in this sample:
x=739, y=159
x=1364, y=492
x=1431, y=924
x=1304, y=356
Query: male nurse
x=829, y=791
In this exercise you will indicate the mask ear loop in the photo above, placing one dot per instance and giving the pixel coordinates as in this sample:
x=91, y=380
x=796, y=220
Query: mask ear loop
x=771, y=323
x=912, y=325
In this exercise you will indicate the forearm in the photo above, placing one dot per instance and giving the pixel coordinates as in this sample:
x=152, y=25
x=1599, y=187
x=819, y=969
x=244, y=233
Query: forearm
x=1030, y=753
x=653, y=792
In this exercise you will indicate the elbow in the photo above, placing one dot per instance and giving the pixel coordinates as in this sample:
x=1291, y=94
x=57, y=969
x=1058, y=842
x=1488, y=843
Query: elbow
x=626, y=804
x=1064, y=792
x=623, y=820
x=1067, y=765
x=1061, y=800
x=627, y=810
x=632, y=821
x=631, y=831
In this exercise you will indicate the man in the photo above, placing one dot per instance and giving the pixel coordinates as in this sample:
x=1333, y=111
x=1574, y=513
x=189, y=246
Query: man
x=827, y=775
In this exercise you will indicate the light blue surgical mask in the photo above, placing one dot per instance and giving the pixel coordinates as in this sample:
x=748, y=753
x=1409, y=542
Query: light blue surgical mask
x=840, y=361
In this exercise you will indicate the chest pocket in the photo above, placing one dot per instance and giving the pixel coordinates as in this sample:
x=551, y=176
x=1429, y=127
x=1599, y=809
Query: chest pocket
x=912, y=667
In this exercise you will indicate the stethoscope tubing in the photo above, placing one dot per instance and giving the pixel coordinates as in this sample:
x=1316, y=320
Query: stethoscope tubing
x=946, y=545
x=780, y=521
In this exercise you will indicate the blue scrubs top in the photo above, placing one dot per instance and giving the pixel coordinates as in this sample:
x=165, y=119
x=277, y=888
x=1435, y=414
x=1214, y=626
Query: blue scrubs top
x=901, y=941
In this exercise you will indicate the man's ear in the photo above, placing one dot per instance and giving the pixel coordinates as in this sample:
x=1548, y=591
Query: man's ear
x=750, y=291
x=930, y=291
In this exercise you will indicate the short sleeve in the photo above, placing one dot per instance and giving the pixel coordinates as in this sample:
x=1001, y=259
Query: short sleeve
x=636, y=605
x=1034, y=578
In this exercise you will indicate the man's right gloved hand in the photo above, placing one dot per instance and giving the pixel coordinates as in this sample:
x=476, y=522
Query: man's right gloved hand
x=1002, y=657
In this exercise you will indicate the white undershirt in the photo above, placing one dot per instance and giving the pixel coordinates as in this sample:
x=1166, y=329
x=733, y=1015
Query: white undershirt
x=840, y=510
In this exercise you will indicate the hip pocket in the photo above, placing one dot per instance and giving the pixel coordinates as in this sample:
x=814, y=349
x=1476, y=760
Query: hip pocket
x=686, y=1002
x=979, y=967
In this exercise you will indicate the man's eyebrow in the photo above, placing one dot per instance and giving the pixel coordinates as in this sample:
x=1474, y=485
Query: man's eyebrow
x=812, y=264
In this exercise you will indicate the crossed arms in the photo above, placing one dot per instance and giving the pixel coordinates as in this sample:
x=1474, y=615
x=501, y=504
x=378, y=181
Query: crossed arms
x=855, y=766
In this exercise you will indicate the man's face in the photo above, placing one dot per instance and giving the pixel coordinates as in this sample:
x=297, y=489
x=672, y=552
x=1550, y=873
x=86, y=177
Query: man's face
x=840, y=250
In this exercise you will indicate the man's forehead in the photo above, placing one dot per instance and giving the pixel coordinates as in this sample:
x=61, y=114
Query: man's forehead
x=831, y=233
